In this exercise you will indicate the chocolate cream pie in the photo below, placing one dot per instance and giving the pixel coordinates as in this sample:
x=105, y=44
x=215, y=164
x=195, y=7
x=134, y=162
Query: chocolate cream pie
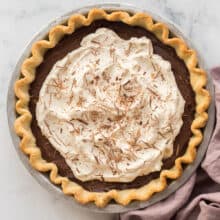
x=111, y=106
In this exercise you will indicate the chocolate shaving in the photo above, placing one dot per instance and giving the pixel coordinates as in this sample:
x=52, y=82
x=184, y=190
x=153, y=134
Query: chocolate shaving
x=63, y=68
x=74, y=82
x=102, y=178
x=57, y=83
x=96, y=159
x=162, y=76
x=94, y=51
x=112, y=50
x=153, y=92
x=171, y=128
x=97, y=61
x=80, y=101
x=155, y=67
x=93, y=115
x=105, y=126
x=127, y=52
x=95, y=42
x=80, y=120
x=161, y=134
x=70, y=99
x=138, y=67
x=105, y=76
x=97, y=78
x=150, y=101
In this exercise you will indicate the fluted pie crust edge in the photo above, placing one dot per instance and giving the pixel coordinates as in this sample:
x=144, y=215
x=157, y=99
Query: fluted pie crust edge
x=22, y=124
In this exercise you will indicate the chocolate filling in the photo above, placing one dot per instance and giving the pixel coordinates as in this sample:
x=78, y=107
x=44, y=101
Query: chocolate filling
x=71, y=42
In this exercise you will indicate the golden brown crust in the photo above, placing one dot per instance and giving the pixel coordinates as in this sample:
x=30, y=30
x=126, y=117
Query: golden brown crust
x=22, y=123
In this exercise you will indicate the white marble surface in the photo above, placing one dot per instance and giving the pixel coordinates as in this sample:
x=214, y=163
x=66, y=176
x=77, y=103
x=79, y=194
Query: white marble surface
x=21, y=197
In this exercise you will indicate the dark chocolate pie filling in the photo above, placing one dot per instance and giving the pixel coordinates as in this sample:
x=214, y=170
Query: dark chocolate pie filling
x=72, y=42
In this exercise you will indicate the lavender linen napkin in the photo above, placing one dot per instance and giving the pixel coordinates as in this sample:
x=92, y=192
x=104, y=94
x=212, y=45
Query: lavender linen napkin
x=199, y=197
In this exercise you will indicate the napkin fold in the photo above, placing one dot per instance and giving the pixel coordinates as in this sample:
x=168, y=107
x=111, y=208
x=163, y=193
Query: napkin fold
x=199, y=197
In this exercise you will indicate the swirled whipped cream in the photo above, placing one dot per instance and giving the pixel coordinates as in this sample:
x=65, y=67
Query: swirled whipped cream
x=111, y=108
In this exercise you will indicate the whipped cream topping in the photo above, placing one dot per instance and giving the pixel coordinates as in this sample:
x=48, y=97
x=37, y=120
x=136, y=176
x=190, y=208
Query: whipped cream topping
x=111, y=108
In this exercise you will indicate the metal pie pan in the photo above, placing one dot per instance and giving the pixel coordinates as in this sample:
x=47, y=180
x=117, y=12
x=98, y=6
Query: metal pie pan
x=44, y=180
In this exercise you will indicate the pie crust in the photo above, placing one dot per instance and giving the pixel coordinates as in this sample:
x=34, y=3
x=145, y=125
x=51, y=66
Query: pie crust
x=22, y=124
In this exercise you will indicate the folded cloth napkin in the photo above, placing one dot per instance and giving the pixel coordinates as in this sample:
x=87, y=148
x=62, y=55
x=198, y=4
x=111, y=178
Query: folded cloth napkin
x=199, y=197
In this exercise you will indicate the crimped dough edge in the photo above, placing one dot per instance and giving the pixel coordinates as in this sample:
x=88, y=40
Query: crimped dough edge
x=198, y=80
